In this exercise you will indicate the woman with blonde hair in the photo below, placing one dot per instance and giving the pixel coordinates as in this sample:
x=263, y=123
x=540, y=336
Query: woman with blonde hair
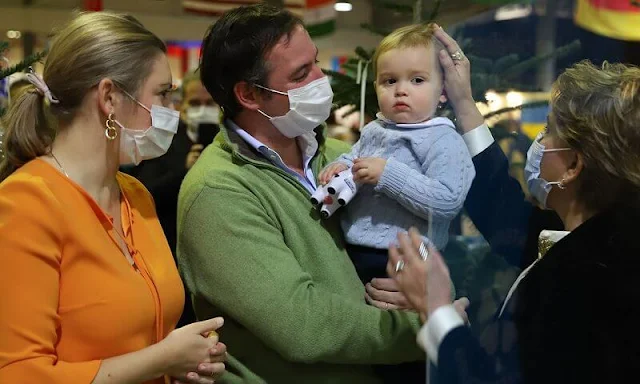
x=571, y=316
x=90, y=292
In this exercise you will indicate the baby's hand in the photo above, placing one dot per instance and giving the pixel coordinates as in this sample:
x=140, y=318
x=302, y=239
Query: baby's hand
x=329, y=172
x=368, y=170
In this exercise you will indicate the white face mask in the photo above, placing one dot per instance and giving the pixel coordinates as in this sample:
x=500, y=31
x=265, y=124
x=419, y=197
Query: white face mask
x=309, y=106
x=539, y=188
x=152, y=142
x=203, y=114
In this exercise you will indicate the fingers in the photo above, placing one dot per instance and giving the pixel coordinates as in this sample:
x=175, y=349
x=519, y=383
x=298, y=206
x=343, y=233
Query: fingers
x=328, y=173
x=194, y=378
x=394, y=299
x=197, y=148
x=386, y=284
x=394, y=258
x=449, y=43
x=218, y=353
x=361, y=174
x=204, y=327
x=415, y=237
x=447, y=63
x=379, y=304
x=358, y=165
x=435, y=256
x=461, y=306
x=211, y=370
x=409, y=252
x=463, y=302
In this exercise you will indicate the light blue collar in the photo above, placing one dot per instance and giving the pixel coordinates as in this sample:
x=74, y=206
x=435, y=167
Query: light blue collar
x=436, y=121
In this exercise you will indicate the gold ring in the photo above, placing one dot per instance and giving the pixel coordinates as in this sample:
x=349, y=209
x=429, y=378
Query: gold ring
x=457, y=55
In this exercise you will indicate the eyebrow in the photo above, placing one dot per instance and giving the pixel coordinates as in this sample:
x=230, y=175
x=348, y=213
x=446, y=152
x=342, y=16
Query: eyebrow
x=413, y=73
x=304, y=66
x=167, y=85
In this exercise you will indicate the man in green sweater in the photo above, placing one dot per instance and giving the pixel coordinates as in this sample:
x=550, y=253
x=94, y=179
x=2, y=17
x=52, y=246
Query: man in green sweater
x=251, y=247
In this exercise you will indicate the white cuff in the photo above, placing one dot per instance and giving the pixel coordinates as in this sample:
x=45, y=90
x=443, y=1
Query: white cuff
x=440, y=323
x=478, y=139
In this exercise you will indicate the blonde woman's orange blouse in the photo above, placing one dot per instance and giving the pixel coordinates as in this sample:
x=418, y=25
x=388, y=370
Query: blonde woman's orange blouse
x=68, y=296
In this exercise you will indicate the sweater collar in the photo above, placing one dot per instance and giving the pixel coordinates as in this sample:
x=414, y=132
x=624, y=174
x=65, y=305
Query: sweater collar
x=232, y=142
x=436, y=121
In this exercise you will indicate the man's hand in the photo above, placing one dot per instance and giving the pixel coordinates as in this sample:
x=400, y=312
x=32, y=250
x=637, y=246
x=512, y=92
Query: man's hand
x=368, y=170
x=193, y=155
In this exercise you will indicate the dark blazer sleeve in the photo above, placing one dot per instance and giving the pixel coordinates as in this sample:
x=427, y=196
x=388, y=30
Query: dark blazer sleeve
x=496, y=204
x=586, y=328
x=162, y=177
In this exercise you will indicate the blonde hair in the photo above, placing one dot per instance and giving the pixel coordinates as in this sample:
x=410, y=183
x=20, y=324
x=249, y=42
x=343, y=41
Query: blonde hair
x=597, y=112
x=89, y=48
x=410, y=36
x=188, y=78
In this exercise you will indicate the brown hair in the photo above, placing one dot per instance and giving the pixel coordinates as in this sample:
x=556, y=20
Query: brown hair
x=410, y=36
x=597, y=112
x=89, y=48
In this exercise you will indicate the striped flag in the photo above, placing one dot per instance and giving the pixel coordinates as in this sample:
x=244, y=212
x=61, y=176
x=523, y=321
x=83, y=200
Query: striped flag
x=318, y=15
x=618, y=19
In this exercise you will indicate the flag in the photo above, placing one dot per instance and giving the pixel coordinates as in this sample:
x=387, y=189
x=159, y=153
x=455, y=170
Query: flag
x=617, y=19
x=533, y=120
x=318, y=15
x=92, y=5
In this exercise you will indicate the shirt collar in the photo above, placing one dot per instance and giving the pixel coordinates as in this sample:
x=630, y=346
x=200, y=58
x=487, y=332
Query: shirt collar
x=425, y=124
x=307, y=143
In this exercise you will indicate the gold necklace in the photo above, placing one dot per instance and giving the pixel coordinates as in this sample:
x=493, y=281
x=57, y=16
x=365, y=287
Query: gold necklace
x=59, y=165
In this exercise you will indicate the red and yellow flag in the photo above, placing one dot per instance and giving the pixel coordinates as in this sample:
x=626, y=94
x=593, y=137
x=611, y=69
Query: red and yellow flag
x=618, y=19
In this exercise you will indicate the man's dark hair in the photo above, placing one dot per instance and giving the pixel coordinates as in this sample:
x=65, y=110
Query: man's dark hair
x=234, y=49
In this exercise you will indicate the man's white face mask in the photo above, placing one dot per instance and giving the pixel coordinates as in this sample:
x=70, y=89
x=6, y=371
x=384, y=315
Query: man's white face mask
x=309, y=106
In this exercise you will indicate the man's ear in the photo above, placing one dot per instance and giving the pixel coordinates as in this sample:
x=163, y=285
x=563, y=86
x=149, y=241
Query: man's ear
x=247, y=95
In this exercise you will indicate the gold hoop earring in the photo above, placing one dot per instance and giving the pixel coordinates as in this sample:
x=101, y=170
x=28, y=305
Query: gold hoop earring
x=111, y=132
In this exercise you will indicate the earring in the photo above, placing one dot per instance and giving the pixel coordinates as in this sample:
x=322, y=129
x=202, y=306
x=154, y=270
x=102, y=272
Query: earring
x=561, y=184
x=111, y=132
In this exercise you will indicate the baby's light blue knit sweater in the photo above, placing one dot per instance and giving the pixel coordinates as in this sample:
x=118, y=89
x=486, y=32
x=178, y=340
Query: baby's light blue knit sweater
x=428, y=174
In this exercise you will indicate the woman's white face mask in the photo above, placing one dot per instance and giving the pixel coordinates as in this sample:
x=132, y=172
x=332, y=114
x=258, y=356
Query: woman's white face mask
x=138, y=145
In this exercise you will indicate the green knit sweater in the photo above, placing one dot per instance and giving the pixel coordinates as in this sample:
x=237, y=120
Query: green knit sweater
x=251, y=248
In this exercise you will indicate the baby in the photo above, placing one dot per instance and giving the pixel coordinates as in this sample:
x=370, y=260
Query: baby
x=413, y=169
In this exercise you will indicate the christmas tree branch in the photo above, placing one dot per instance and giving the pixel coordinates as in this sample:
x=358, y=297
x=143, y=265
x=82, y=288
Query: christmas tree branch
x=536, y=61
x=21, y=66
x=519, y=107
x=431, y=17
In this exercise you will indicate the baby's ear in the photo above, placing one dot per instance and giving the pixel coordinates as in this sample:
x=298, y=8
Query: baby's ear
x=443, y=97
